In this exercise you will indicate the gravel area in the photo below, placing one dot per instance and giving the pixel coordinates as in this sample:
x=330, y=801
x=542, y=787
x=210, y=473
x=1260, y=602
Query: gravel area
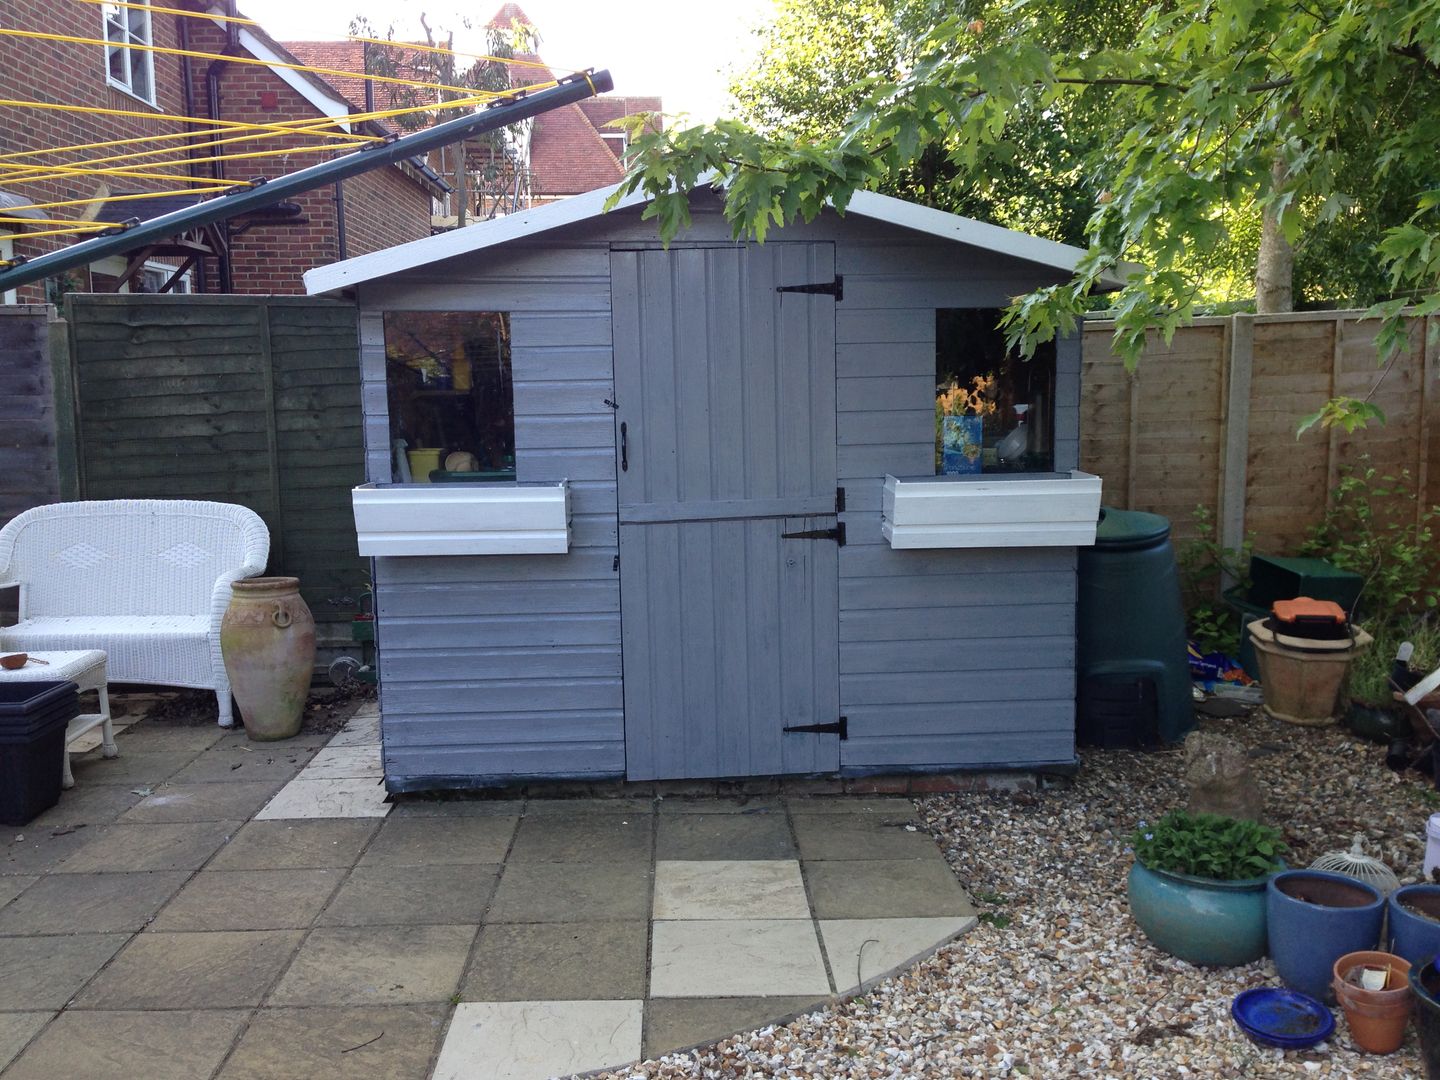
x=1056, y=980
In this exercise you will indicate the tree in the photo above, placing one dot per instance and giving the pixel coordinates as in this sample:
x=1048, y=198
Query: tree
x=1283, y=108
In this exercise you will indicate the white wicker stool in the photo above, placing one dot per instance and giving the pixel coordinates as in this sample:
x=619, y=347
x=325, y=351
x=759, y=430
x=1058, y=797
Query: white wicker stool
x=86, y=669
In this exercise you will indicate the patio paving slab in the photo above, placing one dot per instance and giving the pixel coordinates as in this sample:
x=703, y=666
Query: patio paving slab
x=90, y=903
x=558, y=962
x=337, y=1043
x=724, y=804
x=497, y=1040
x=440, y=842
x=679, y=1023
x=302, y=798
x=724, y=836
x=249, y=900
x=238, y=738
x=136, y=770
x=146, y=736
x=294, y=845
x=420, y=807
x=891, y=807
x=203, y=802
x=880, y=889
x=45, y=972
x=346, y=763
x=202, y=970
x=581, y=807
x=376, y=965
x=860, y=950
x=153, y=1045
x=855, y=836
x=17, y=1029
x=571, y=892
x=245, y=764
x=736, y=958
x=33, y=850
x=12, y=886
x=768, y=889
x=93, y=805
x=132, y=846
x=415, y=895
x=583, y=837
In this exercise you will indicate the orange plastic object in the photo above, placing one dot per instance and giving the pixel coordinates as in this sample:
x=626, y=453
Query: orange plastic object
x=1305, y=610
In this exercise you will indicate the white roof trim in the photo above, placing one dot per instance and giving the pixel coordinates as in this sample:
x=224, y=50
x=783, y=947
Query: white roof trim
x=417, y=253
x=335, y=106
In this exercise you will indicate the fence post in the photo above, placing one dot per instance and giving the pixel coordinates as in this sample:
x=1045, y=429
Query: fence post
x=62, y=383
x=1235, y=429
x=272, y=441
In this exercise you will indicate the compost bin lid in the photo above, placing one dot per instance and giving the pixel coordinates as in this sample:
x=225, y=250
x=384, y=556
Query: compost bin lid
x=1122, y=529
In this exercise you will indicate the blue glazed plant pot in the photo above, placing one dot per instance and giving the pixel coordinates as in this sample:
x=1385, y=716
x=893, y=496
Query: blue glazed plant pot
x=1415, y=923
x=1314, y=918
x=1203, y=921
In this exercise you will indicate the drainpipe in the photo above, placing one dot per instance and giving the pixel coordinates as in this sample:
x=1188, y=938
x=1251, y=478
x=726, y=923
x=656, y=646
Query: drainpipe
x=187, y=74
x=340, y=219
x=212, y=102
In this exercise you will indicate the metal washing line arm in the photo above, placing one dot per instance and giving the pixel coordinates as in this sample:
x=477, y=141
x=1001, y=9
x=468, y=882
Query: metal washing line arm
x=254, y=196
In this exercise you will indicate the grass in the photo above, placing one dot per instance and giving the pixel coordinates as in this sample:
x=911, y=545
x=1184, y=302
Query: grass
x=1370, y=673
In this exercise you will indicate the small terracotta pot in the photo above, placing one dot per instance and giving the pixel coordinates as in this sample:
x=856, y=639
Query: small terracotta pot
x=1377, y=1018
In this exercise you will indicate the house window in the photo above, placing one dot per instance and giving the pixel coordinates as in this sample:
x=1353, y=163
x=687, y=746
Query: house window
x=132, y=70
x=617, y=141
x=451, y=397
x=994, y=411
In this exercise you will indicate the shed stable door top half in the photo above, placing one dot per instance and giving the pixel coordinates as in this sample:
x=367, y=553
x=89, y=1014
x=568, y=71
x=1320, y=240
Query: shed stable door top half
x=725, y=441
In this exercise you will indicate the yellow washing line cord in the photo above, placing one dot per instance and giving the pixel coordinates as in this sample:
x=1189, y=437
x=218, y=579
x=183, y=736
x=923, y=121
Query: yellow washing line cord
x=25, y=173
x=407, y=45
x=137, y=140
x=41, y=35
x=77, y=225
x=101, y=200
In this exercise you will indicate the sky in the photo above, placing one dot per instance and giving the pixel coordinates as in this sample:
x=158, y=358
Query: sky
x=680, y=51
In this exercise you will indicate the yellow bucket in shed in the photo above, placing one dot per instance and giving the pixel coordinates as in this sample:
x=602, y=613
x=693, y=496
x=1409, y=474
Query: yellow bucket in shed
x=422, y=460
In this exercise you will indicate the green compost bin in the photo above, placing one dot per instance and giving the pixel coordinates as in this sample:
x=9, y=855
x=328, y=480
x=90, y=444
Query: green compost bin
x=1133, y=667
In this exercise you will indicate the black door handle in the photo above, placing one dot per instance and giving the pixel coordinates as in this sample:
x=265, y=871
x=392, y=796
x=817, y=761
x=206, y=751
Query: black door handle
x=624, y=448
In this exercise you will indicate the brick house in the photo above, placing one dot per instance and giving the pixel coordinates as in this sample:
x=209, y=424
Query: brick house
x=147, y=93
x=564, y=152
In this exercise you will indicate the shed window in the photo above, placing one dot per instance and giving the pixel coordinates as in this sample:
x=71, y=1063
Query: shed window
x=994, y=411
x=131, y=69
x=452, y=404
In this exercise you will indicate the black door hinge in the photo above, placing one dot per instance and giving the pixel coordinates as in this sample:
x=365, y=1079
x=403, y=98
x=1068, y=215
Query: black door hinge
x=834, y=288
x=837, y=534
x=839, y=500
x=841, y=727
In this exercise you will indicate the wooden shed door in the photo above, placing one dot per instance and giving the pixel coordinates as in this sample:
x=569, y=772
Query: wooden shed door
x=725, y=436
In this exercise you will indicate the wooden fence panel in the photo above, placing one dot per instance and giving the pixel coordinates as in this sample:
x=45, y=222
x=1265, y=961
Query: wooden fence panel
x=244, y=399
x=1182, y=439
x=29, y=468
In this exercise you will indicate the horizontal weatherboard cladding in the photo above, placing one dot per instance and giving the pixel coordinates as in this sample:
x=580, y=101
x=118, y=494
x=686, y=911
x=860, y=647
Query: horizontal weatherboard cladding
x=496, y=670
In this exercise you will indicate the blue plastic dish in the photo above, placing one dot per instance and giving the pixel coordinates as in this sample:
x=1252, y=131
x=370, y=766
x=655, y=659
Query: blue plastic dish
x=1286, y=1019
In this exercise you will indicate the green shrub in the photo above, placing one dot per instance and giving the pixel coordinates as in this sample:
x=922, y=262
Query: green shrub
x=1209, y=846
x=1203, y=562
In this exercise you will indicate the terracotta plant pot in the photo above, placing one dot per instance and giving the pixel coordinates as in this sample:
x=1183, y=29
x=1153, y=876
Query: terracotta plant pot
x=267, y=639
x=1302, y=687
x=1377, y=1018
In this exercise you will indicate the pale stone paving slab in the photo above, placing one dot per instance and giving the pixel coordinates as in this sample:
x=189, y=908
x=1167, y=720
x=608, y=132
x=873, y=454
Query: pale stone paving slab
x=736, y=958
x=767, y=889
x=303, y=798
x=345, y=763
x=534, y=1040
x=860, y=950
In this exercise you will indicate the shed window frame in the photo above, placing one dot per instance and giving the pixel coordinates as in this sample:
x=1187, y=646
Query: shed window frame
x=969, y=344
x=123, y=27
x=449, y=382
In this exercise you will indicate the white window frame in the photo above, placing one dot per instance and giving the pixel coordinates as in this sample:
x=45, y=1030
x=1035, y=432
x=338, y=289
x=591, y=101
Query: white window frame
x=114, y=266
x=130, y=26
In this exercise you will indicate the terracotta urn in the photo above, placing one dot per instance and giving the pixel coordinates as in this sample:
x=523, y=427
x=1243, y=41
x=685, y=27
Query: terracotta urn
x=267, y=639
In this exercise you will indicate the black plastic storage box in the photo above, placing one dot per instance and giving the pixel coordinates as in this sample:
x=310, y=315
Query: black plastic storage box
x=33, y=719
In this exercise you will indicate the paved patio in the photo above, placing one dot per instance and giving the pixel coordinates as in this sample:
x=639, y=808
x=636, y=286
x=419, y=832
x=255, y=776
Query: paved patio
x=205, y=906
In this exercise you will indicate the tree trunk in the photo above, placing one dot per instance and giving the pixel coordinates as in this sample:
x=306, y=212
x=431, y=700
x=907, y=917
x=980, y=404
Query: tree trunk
x=1275, y=264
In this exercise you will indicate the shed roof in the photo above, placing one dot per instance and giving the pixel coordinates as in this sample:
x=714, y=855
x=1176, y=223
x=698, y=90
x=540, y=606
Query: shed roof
x=578, y=208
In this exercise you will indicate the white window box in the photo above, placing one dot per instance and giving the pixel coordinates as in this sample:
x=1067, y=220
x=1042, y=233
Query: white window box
x=462, y=519
x=992, y=510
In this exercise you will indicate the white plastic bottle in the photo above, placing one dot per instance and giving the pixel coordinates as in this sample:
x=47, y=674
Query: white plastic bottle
x=1012, y=447
x=1432, y=846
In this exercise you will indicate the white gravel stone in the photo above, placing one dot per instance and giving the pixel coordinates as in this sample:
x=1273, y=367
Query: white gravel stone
x=1056, y=980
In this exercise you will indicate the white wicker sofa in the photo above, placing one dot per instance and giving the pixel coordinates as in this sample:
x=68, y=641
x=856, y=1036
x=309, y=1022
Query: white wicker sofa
x=147, y=580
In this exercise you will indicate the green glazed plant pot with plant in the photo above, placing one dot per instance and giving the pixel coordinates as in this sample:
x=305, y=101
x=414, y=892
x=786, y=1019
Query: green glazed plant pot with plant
x=1197, y=888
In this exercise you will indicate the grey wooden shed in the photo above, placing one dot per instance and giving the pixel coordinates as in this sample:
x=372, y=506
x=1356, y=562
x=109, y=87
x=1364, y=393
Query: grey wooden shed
x=714, y=539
